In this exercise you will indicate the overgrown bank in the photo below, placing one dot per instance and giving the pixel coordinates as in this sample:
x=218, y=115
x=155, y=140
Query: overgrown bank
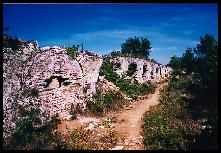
x=170, y=124
x=187, y=117
x=113, y=100
x=131, y=88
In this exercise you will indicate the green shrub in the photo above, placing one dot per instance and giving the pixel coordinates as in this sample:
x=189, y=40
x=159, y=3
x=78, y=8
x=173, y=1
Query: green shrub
x=169, y=125
x=116, y=66
x=95, y=105
x=74, y=115
x=132, y=90
x=30, y=133
x=100, y=103
x=160, y=131
x=11, y=42
x=82, y=139
x=72, y=51
x=115, y=53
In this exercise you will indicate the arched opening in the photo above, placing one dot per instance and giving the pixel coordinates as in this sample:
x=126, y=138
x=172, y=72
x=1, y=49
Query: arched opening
x=157, y=70
x=117, y=66
x=144, y=69
x=56, y=81
x=131, y=69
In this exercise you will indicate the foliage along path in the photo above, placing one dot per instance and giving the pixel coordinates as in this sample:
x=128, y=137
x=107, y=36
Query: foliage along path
x=130, y=119
x=128, y=124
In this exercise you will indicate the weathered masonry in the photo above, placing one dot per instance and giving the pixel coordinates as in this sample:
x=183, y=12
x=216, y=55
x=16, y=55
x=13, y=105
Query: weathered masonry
x=59, y=84
x=145, y=70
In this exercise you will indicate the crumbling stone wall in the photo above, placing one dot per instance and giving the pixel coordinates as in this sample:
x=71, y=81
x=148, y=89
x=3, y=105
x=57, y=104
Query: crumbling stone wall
x=153, y=72
x=59, y=80
x=90, y=64
x=62, y=83
x=15, y=70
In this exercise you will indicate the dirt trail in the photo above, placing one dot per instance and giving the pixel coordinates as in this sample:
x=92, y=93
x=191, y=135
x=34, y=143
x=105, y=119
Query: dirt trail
x=130, y=126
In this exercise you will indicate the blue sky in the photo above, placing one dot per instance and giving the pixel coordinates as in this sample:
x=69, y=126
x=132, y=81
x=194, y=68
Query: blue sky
x=102, y=28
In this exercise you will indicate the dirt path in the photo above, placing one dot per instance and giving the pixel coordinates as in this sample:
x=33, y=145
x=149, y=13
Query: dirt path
x=130, y=127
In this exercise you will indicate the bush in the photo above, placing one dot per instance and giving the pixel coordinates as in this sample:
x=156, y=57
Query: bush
x=161, y=131
x=100, y=103
x=115, y=53
x=117, y=66
x=170, y=124
x=95, y=104
x=30, y=133
x=132, y=90
x=83, y=139
x=72, y=51
x=74, y=115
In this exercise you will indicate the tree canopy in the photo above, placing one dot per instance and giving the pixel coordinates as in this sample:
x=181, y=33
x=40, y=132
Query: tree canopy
x=136, y=46
x=175, y=62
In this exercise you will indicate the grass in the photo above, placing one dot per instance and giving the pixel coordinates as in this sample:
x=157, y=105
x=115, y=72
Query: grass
x=170, y=125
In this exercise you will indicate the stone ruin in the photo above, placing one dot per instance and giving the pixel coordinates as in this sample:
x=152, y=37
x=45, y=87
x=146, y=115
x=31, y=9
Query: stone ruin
x=63, y=84
x=145, y=70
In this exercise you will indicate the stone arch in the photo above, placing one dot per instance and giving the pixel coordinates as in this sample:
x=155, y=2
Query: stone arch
x=145, y=69
x=132, y=67
x=157, y=70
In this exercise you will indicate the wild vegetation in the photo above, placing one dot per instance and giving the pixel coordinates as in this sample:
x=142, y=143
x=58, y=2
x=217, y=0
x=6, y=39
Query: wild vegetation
x=82, y=139
x=31, y=134
x=101, y=103
x=134, y=47
x=72, y=51
x=187, y=116
x=169, y=125
x=132, y=89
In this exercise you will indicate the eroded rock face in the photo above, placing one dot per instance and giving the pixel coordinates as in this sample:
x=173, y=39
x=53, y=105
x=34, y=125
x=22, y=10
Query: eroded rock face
x=62, y=83
x=16, y=56
x=145, y=70
x=90, y=64
x=59, y=80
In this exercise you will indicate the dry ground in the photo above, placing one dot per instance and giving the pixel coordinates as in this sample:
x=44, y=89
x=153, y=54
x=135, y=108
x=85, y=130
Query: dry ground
x=127, y=125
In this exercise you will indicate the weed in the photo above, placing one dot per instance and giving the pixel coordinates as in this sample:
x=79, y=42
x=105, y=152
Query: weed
x=74, y=115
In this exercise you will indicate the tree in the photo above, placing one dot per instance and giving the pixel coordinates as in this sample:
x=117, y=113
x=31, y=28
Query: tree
x=137, y=47
x=187, y=60
x=115, y=53
x=175, y=63
x=207, y=65
x=203, y=85
x=207, y=51
x=72, y=51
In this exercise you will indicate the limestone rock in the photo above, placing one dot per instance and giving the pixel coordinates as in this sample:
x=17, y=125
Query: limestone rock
x=118, y=148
